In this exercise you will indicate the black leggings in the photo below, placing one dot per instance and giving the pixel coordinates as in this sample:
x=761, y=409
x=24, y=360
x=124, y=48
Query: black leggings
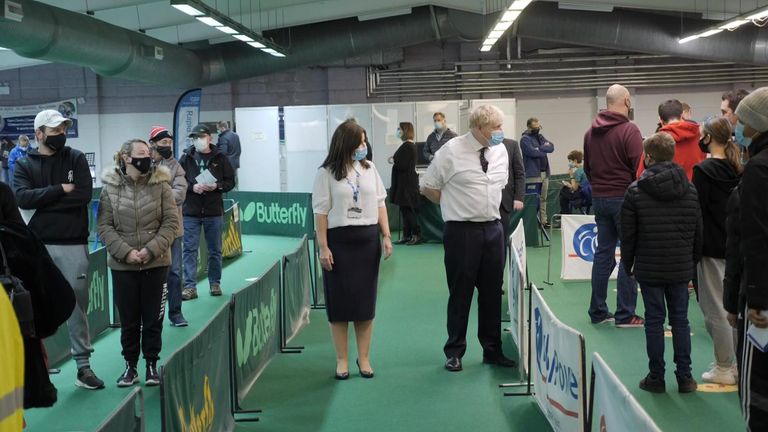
x=140, y=298
x=410, y=224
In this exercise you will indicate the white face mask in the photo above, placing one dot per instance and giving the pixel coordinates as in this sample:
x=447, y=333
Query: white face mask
x=201, y=144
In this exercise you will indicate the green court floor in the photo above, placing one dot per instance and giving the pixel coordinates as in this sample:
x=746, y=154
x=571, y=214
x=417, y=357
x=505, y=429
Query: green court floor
x=411, y=390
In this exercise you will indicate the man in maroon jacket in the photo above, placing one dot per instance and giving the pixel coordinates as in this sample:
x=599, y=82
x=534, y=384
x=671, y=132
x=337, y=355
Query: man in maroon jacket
x=612, y=150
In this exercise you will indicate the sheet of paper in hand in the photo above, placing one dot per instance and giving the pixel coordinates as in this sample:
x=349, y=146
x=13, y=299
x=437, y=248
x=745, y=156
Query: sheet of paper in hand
x=205, y=177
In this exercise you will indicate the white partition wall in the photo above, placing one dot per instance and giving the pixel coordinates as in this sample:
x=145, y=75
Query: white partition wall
x=306, y=129
x=424, y=112
x=337, y=114
x=260, y=141
x=386, y=118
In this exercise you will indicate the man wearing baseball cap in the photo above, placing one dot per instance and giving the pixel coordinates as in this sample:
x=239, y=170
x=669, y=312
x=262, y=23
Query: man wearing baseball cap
x=53, y=187
x=204, y=207
x=161, y=142
x=745, y=284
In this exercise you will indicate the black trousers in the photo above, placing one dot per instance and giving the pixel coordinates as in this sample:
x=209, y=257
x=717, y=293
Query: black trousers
x=410, y=223
x=140, y=297
x=753, y=380
x=474, y=257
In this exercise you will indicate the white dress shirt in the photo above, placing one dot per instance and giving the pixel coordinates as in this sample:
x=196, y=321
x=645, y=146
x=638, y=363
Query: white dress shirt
x=468, y=193
x=336, y=198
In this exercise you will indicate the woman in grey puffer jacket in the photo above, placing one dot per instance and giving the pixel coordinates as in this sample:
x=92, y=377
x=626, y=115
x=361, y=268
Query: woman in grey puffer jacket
x=137, y=222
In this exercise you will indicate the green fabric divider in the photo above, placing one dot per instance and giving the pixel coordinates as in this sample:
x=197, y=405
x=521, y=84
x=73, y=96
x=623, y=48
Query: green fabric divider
x=128, y=416
x=58, y=346
x=318, y=293
x=276, y=213
x=255, y=329
x=195, y=381
x=296, y=290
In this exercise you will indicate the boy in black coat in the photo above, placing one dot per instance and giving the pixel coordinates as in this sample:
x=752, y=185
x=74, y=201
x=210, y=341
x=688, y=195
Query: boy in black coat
x=661, y=241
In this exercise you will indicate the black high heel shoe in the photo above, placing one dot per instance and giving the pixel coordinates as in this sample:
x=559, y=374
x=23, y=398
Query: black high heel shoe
x=342, y=376
x=364, y=374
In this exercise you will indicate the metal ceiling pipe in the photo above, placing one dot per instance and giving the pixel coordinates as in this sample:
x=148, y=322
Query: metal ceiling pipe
x=642, y=32
x=58, y=35
x=323, y=42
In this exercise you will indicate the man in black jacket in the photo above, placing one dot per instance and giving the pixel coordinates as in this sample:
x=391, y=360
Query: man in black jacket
x=513, y=192
x=661, y=242
x=229, y=144
x=747, y=216
x=53, y=187
x=209, y=174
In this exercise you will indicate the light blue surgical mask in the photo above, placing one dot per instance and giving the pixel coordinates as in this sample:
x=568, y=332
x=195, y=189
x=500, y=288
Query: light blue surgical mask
x=497, y=138
x=571, y=165
x=399, y=134
x=360, y=154
x=739, y=137
x=438, y=126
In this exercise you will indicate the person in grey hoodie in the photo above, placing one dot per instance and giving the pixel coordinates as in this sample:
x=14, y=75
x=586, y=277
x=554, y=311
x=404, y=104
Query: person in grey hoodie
x=161, y=142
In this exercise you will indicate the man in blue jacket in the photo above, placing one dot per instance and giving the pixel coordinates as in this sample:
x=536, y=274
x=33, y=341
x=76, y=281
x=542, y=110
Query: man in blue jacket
x=535, y=149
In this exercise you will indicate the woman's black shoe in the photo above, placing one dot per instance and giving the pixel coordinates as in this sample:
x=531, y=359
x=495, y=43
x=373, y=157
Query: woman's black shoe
x=364, y=374
x=403, y=240
x=415, y=240
x=342, y=376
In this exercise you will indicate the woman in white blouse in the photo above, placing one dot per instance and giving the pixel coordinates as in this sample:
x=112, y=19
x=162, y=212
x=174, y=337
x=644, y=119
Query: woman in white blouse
x=348, y=202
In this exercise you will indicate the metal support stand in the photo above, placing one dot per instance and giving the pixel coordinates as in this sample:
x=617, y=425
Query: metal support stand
x=549, y=255
x=527, y=382
x=315, y=274
x=284, y=348
x=236, y=408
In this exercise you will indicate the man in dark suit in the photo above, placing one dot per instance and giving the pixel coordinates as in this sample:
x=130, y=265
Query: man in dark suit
x=512, y=195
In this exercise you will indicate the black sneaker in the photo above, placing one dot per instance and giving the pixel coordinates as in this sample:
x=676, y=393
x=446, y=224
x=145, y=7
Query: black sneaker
x=88, y=380
x=129, y=377
x=179, y=321
x=152, y=378
x=609, y=318
x=686, y=384
x=653, y=384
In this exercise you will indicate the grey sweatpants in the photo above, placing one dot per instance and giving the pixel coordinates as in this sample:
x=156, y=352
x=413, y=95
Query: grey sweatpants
x=711, y=272
x=72, y=260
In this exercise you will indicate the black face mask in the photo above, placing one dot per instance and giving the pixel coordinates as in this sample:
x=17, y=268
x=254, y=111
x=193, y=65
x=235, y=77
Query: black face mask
x=703, y=147
x=165, y=152
x=142, y=164
x=535, y=131
x=56, y=142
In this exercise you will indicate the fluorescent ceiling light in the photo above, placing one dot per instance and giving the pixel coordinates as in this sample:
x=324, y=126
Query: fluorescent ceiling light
x=486, y=48
x=510, y=16
x=687, y=39
x=519, y=4
x=210, y=21
x=227, y=30
x=734, y=24
x=502, y=26
x=187, y=9
x=495, y=34
x=257, y=44
x=243, y=38
x=273, y=52
x=759, y=15
x=710, y=32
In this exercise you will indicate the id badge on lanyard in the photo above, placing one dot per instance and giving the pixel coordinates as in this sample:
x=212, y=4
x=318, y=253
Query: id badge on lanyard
x=355, y=212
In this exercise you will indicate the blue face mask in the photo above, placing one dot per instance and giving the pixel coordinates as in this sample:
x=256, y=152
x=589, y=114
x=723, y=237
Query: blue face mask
x=739, y=135
x=399, y=133
x=360, y=154
x=496, y=138
x=438, y=126
x=571, y=165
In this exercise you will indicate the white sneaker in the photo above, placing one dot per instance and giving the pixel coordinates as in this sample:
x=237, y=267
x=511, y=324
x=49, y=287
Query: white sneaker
x=719, y=375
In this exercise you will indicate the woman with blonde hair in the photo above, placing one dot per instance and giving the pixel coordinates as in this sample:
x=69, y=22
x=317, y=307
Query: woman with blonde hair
x=714, y=179
x=137, y=222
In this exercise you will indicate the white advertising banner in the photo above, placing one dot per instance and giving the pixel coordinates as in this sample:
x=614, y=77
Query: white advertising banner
x=579, y=245
x=516, y=293
x=559, y=375
x=614, y=408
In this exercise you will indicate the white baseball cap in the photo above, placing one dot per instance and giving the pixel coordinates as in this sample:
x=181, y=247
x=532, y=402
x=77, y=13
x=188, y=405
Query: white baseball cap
x=50, y=118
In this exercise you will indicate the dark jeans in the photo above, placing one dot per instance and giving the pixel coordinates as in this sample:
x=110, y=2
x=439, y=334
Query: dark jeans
x=174, y=280
x=410, y=223
x=474, y=257
x=212, y=227
x=676, y=296
x=140, y=299
x=608, y=220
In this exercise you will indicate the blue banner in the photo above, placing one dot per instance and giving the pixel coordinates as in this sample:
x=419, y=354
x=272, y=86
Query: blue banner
x=185, y=117
x=20, y=120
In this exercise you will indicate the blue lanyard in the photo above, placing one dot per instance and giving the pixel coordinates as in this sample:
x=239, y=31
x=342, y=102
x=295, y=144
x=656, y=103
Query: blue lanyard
x=355, y=187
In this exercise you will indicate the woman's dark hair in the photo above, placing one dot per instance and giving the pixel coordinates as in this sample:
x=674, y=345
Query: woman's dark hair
x=719, y=130
x=346, y=139
x=406, y=129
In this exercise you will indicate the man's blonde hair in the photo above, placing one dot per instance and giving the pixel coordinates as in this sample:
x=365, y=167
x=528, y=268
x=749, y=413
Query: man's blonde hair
x=484, y=115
